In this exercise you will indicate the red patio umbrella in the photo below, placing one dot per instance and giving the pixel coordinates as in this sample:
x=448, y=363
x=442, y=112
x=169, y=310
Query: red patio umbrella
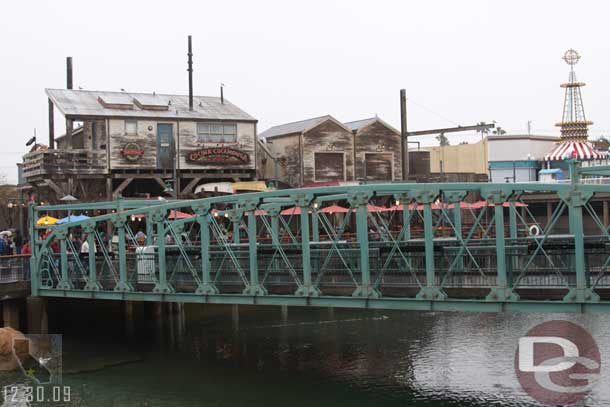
x=296, y=210
x=174, y=214
x=375, y=208
x=334, y=209
x=258, y=212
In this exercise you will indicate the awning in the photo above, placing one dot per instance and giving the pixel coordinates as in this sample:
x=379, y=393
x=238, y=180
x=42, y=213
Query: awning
x=574, y=149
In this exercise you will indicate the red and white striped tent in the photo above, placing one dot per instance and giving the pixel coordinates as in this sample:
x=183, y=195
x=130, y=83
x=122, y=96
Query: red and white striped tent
x=580, y=150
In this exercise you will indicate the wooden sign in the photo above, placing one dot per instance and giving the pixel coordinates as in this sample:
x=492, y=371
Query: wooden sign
x=217, y=155
x=132, y=152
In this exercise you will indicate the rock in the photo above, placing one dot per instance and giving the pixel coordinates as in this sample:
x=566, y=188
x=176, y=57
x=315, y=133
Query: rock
x=8, y=361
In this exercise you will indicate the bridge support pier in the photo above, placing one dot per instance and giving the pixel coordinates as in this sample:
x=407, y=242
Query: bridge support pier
x=10, y=313
x=129, y=312
x=284, y=310
x=38, y=320
x=235, y=316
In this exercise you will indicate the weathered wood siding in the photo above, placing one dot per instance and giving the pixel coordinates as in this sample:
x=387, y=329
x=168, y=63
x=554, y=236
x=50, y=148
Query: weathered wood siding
x=329, y=137
x=378, y=166
x=286, y=148
x=145, y=138
x=246, y=143
x=377, y=138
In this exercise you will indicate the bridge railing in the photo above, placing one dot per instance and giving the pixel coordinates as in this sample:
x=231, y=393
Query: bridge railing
x=415, y=241
x=14, y=268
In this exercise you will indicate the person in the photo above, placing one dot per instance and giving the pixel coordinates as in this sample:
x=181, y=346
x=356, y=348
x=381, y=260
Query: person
x=84, y=248
x=141, y=237
x=27, y=248
x=168, y=239
x=55, y=246
x=18, y=240
x=2, y=246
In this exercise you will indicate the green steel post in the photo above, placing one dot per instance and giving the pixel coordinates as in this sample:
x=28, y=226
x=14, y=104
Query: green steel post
x=162, y=285
x=275, y=233
x=206, y=287
x=65, y=283
x=579, y=252
x=236, y=222
x=576, y=199
x=360, y=201
x=500, y=248
x=92, y=284
x=123, y=284
x=315, y=231
x=512, y=219
x=254, y=288
x=315, y=227
x=307, y=289
x=501, y=292
x=34, y=258
x=429, y=245
x=457, y=223
x=149, y=232
x=431, y=291
x=455, y=198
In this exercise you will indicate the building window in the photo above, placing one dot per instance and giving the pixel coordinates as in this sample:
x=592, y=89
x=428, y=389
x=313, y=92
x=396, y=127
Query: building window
x=216, y=133
x=131, y=127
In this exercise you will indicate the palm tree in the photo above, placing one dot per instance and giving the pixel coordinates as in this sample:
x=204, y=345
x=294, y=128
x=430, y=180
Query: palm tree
x=499, y=131
x=483, y=130
x=442, y=140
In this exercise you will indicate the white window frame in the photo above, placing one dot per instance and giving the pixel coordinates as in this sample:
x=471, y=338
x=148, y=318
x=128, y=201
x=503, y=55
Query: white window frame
x=136, y=127
x=206, y=137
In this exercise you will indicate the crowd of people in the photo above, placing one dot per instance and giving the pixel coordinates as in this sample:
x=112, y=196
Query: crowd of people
x=13, y=244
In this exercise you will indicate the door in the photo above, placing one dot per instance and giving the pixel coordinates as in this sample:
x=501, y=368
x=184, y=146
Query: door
x=165, y=146
x=329, y=167
x=378, y=166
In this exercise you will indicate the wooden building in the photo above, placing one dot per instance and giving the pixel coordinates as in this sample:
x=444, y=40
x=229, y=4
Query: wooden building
x=322, y=150
x=135, y=144
x=376, y=150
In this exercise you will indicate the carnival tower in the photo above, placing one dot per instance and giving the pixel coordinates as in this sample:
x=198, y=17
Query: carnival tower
x=574, y=125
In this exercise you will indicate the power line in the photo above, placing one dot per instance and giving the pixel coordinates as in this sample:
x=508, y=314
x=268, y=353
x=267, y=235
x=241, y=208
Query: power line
x=433, y=112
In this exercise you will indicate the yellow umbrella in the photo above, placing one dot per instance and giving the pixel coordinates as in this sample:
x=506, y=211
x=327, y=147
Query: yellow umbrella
x=46, y=220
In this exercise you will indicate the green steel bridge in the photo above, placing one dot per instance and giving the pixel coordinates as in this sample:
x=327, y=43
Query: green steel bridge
x=384, y=246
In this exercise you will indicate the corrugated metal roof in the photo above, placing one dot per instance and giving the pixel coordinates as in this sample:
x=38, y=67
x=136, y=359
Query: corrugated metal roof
x=76, y=103
x=294, y=127
x=358, y=124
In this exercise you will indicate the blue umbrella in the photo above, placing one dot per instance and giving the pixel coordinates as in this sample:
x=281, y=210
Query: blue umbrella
x=71, y=218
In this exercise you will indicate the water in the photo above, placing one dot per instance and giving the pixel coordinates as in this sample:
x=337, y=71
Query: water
x=314, y=357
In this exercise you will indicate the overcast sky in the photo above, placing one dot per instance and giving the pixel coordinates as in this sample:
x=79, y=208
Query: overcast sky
x=281, y=61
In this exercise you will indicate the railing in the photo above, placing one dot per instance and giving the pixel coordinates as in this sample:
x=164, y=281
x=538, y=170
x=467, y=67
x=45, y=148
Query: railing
x=68, y=162
x=14, y=268
x=392, y=245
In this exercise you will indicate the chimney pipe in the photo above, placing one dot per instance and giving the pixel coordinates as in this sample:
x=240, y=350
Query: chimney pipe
x=69, y=83
x=404, y=142
x=190, y=69
x=222, y=94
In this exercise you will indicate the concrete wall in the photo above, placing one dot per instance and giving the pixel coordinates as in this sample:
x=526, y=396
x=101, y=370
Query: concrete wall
x=516, y=148
x=461, y=158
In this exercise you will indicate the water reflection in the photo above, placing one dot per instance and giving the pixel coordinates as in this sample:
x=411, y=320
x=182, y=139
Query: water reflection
x=200, y=355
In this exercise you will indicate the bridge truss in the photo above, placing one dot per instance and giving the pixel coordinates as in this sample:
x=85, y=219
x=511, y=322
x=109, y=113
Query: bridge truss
x=388, y=246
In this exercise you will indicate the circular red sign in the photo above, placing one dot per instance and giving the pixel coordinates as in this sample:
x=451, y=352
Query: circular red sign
x=557, y=363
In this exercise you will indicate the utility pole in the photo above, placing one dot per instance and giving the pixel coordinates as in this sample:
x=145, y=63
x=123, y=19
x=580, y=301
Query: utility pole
x=404, y=142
